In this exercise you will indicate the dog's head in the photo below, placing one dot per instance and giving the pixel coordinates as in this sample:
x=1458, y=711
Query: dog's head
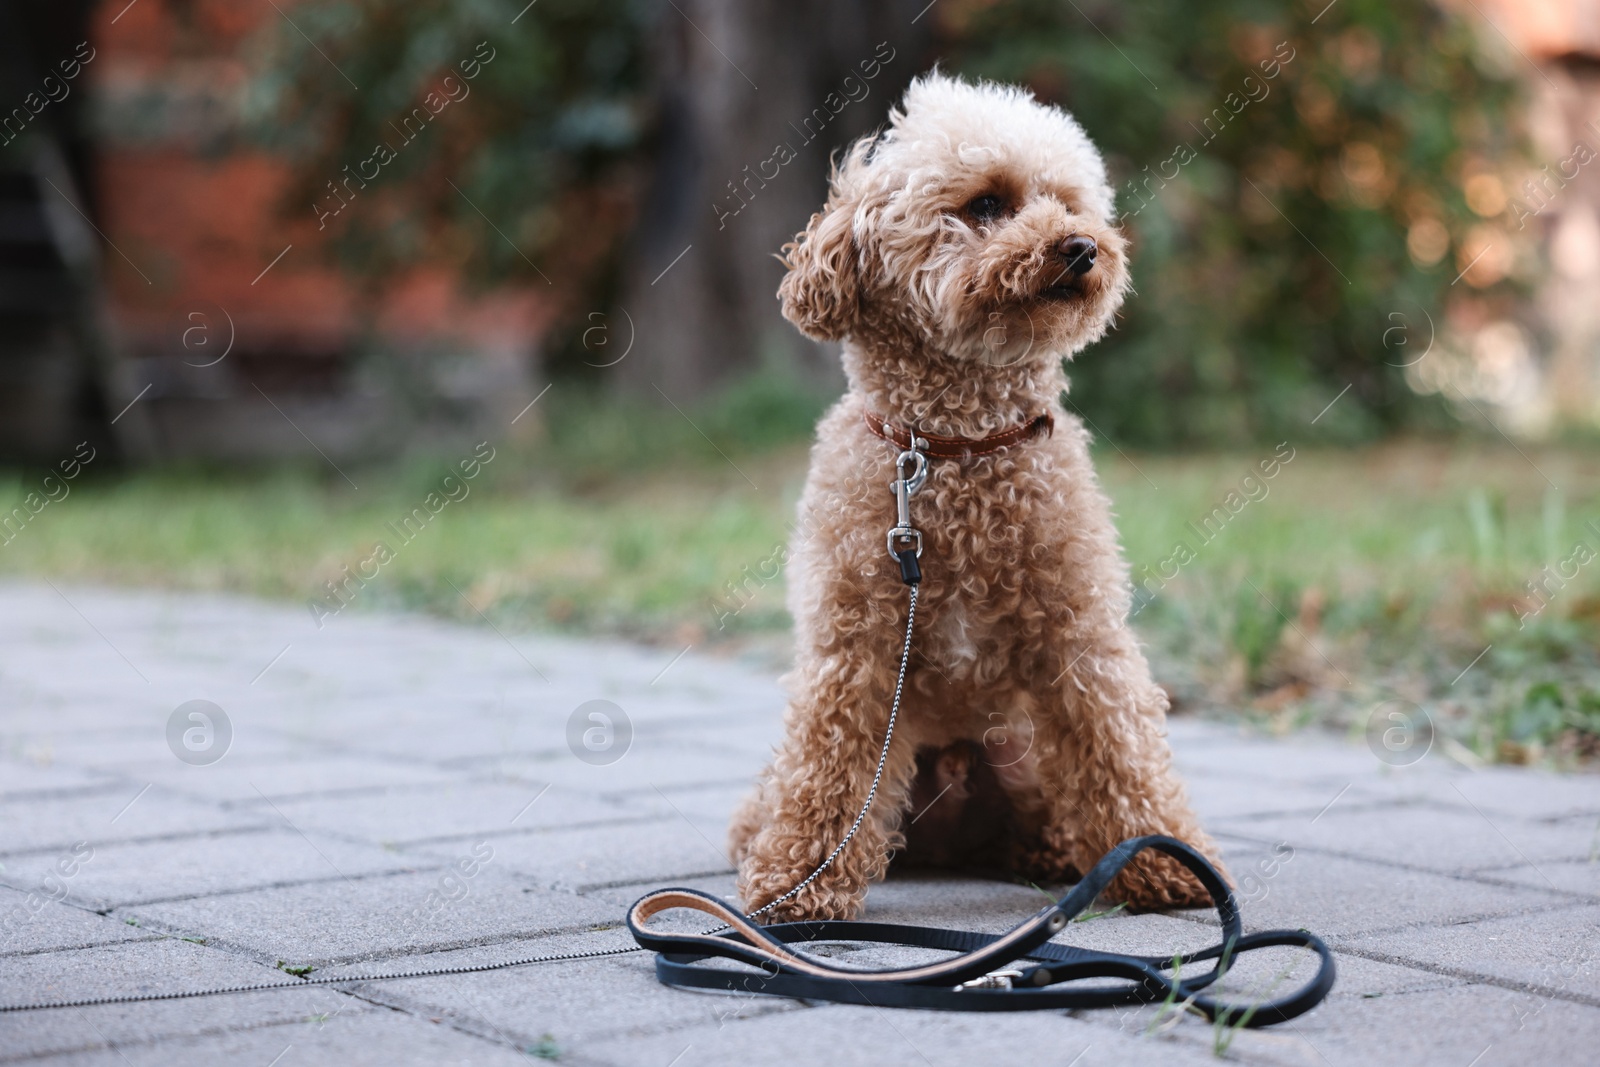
x=979, y=224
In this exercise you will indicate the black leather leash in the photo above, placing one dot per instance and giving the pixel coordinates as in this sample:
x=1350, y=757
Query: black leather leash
x=978, y=979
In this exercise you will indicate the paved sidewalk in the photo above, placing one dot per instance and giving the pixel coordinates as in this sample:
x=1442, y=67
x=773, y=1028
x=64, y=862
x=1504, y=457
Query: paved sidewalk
x=399, y=793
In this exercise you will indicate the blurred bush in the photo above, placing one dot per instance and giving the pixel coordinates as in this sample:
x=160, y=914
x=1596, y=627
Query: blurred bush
x=537, y=161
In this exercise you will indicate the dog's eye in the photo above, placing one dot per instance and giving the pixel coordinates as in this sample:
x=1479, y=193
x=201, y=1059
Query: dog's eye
x=986, y=208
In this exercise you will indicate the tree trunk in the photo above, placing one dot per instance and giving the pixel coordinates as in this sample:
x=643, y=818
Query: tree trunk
x=754, y=96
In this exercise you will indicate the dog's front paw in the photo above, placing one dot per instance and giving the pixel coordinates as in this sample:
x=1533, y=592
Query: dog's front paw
x=1155, y=882
x=824, y=897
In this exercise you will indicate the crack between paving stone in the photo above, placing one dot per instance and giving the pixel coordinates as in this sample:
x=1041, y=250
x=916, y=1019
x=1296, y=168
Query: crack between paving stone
x=1506, y=883
x=1471, y=977
x=1416, y=868
x=584, y=890
x=24, y=953
x=292, y=883
x=503, y=1041
x=208, y=1031
x=69, y=792
x=763, y=1006
x=117, y=842
x=233, y=948
x=527, y=831
x=683, y=787
x=1465, y=920
x=348, y=793
x=1421, y=924
x=168, y=932
x=1431, y=803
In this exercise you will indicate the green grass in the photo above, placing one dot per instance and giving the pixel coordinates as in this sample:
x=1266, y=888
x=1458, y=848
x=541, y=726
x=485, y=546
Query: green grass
x=1359, y=578
x=1379, y=577
x=634, y=559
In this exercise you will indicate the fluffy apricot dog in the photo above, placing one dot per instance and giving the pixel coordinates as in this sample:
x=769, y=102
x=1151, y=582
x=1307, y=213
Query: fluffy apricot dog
x=963, y=253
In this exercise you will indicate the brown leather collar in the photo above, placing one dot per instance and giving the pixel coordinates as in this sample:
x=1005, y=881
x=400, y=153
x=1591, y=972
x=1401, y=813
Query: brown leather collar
x=937, y=447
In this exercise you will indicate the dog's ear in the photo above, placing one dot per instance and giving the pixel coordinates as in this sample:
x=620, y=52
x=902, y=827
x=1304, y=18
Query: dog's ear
x=821, y=292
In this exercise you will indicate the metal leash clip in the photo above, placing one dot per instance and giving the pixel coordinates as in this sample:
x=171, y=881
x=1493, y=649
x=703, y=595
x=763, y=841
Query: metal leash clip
x=992, y=980
x=905, y=540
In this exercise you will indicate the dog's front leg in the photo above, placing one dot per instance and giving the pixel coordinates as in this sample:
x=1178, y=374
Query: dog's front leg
x=821, y=776
x=1110, y=774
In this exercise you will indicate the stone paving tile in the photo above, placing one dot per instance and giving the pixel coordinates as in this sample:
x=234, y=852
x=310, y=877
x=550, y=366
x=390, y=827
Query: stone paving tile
x=749, y=726
x=1290, y=760
x=650, y=763
x=120, y=813
x=1557, y=949
x=31, y=921
x=52, y=742
x=573, y=1003
x=1570, y=876
x=25, y=778
x=116, y=751
x=447, y=810
x=367, y=1037
x=1439, y=838
x=656, y=850
x=123, y=874
x=1382, y=1014
x=244, y=780
x=846, y=1036
x=1336, y=896
x=143, y=966
x=149, y=965
x=486, y=725
x=1359, y=978
x=1234, y=797
x=708, y=807
x=1518, y=792
x=364, y=918
x=1477, y=1025
x=449, y=742
x=147, y=1032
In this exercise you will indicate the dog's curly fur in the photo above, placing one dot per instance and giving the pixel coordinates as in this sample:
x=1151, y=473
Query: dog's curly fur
x=1027, y=695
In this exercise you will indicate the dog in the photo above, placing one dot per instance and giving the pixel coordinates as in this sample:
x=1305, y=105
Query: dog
x=963, y=253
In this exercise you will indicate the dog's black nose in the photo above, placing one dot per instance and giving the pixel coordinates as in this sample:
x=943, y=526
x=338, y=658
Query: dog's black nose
x=1078, y=251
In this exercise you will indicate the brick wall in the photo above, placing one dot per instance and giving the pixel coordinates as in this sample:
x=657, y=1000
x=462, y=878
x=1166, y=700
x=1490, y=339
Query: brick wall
x=204, y=255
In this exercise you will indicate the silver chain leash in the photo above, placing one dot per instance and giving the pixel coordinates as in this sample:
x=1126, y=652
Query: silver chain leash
x=909, y=541
x=877, y=776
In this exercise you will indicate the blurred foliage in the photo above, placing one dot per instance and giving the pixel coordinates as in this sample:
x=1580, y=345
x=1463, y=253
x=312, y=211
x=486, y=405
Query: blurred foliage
x=537, y=148
x=1268, y=269
x=1257, y=625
